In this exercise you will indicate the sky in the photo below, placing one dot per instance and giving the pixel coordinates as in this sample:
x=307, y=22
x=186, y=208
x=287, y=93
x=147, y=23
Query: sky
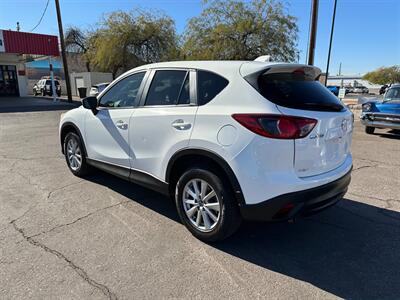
x=366, y=36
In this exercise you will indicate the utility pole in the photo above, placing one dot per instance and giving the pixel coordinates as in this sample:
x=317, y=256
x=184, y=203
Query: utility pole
x=330, y=42
x=64, y=57
x=313, y=31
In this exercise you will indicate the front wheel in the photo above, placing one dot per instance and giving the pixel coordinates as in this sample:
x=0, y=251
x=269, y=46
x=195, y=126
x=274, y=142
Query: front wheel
x=369, y=130
x=206, y=205
x=74, y=155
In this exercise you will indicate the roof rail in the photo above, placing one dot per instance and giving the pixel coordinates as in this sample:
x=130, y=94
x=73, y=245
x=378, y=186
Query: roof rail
x=264, y=58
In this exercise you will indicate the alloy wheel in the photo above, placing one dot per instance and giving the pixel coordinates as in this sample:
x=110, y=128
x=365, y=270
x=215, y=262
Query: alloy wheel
x=201, y=204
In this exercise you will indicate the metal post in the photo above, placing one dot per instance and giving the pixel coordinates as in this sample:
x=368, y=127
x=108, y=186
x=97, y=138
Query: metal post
x=313, y=31
x=330, y=42
x=64, y=57
x=53, y=86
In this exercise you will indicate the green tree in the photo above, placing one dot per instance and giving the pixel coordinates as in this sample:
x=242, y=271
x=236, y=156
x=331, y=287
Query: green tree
x=235, y=30
x=384, y=75
x=126, y=40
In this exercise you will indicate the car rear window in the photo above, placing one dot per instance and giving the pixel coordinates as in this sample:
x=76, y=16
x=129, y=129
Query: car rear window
x=48, y=82
x=208, y=86
x=297, y=90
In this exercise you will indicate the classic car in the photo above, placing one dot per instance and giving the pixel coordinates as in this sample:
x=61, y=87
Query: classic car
x=384, y=114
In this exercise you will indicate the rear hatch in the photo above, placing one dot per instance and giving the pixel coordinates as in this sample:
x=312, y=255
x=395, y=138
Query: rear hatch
x=296, y=91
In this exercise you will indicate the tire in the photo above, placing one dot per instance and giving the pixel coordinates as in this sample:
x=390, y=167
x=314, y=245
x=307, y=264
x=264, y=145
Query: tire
x=369, y=130
x=34, y=93
x=228, y=217
x=43, y=92
x=77, y=169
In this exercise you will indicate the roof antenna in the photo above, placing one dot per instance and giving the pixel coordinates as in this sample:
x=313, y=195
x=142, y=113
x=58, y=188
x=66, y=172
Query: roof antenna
x=264, y=58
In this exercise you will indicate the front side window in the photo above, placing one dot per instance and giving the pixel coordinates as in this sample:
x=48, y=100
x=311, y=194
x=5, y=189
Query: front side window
x=209, y=85
x=166, y=87
x=123, y=93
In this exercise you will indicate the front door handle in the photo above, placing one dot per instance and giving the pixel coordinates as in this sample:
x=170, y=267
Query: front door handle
x=181, y=125
x=121, y=124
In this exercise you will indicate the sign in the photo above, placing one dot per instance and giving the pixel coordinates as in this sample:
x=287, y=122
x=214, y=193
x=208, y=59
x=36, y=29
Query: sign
x=2, y=48
x=342, y=93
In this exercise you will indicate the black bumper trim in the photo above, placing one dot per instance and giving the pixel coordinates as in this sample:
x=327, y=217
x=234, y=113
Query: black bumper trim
x=304, y=202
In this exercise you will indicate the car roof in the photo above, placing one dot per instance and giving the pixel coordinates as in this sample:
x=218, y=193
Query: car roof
x=223, y=67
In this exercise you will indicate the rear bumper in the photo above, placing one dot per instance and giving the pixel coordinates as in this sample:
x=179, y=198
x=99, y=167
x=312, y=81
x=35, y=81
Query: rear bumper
x=299, y=203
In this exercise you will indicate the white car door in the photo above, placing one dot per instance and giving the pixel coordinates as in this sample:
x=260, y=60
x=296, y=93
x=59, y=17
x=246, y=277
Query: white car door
x=163, y=122
x=107, y=132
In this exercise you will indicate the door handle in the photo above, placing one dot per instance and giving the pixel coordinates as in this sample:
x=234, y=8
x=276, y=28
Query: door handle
x=121, y=124
x=181, y=125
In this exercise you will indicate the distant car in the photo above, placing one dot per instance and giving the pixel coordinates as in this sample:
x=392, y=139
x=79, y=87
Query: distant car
x=98, y=88
x=383, y=89
x=385, y=114
x=334, y=89
x=349, y=89
x=43, y=87
x=360, y=89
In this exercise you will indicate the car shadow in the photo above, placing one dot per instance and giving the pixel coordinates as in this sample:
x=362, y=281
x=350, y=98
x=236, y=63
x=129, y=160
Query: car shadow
x=33, y=104
x=351, y=250
x=392, y=134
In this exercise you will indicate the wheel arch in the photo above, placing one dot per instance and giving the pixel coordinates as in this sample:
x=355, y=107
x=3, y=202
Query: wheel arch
x=177, y=161
x=70, y=127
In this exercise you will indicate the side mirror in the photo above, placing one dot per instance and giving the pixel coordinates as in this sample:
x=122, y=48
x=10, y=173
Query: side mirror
x=90, y=103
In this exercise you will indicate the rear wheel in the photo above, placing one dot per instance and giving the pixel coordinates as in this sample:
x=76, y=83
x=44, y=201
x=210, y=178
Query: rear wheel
x=74, y=155
x=206, y=205
x=43, y=92
x=369, y=129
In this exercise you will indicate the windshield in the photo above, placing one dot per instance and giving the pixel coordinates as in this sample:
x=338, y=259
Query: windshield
x=393, y=94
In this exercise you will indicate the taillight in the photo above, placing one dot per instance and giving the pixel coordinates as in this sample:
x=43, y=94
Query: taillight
x=276, y=126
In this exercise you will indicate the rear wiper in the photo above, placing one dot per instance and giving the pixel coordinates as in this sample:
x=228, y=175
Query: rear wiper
x=325, y=106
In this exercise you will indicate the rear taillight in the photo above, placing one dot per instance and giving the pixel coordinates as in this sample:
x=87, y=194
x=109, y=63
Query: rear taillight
x=276, y=126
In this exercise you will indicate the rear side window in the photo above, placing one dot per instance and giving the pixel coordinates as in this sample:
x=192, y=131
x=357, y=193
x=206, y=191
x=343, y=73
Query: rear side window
x=208, y=86
x=166, y=87
x=297, y=90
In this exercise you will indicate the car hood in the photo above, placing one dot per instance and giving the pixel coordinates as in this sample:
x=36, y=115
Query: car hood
x=388, y=107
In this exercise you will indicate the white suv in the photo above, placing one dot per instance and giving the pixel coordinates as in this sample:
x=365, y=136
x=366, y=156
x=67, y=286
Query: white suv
x=228, y=140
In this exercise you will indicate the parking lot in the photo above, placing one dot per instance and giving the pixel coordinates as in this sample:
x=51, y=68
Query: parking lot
x=62, y=237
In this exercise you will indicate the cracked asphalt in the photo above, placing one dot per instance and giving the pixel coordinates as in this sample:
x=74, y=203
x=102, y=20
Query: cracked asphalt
x=62, y=237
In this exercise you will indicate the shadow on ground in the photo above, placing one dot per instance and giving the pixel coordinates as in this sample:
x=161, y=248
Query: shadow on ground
x=33, y=104
x=392, y=134
x=351, y=250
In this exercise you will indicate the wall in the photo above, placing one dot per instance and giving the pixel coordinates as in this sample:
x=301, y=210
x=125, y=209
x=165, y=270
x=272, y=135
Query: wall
x=89, y=79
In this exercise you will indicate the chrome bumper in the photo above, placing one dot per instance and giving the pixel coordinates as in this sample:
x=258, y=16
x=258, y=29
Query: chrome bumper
x=379, y=120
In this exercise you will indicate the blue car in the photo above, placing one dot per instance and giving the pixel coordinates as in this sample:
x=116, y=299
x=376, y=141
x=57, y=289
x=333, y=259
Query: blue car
x=334, y=89
x=385, y=114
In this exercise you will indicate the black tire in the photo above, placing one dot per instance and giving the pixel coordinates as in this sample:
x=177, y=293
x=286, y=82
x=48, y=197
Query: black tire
x=229, y=215
x=84, y=168
x=369, y=130
x=43, y=92
x=34, y=93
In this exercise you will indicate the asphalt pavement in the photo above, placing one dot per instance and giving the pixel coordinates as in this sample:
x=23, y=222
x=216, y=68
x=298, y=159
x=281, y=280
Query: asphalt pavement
x=62, y=237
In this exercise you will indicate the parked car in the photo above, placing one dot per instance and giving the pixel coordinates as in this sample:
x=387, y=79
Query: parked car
x=98, y=88
x=360, y=90
x=227, y=140
x=43, y=87
x=349, y=89
x=334, y=89
x=383, y=89
x=385, y=114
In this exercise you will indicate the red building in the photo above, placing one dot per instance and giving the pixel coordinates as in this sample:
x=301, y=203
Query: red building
x=13, y=45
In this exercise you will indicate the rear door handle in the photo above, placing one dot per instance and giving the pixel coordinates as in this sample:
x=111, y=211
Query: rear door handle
x=181, y=125
x=121, y=124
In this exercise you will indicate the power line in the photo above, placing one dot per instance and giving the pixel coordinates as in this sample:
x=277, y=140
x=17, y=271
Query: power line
x=41, y=18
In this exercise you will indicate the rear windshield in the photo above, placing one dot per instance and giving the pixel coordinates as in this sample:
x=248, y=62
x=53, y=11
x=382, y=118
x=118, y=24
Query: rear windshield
x=48, y=82
x=296, y=90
